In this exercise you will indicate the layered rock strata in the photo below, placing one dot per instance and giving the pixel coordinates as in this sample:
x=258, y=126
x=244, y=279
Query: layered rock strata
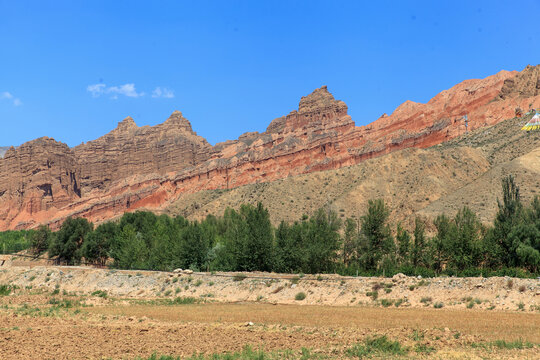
x=133, y=167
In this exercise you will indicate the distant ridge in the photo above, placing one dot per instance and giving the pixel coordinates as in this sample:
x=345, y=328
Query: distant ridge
x=153, y=167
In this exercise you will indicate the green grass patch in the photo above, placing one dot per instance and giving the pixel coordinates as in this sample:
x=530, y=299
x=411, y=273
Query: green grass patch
x=378, y=345
x=246, y=354
x=503, y=344
x=100, y=293
x=5, y=289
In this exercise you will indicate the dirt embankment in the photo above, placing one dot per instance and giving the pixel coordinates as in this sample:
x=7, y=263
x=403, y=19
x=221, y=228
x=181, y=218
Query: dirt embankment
x=496, y=293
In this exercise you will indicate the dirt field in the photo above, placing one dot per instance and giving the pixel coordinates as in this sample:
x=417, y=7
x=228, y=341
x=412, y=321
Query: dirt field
x=76, y=313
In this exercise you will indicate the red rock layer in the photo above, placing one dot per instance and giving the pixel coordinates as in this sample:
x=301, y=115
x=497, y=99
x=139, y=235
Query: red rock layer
x=148, y=167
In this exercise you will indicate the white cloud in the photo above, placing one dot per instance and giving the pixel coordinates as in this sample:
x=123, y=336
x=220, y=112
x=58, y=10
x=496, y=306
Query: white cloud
x=9, y=96
x=162, y=92
x=96, y=89
x=127, y=90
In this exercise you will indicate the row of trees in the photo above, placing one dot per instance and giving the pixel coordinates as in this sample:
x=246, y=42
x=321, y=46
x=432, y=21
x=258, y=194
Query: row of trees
x=245, y=240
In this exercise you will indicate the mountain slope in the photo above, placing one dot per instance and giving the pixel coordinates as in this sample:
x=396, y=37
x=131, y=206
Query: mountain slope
x=158, y=167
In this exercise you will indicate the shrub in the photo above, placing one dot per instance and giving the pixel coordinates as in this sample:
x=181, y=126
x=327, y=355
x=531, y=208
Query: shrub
x=239, y=277
x=426, y=300
x=423, y=348
x=184, y=300
x=5, y=290
x=438, y=305
x=376, y=345
x=300, y=296
x=510, y=283
x=386, y=302
x=100, y=293
x=373, y=295
x=522, y=288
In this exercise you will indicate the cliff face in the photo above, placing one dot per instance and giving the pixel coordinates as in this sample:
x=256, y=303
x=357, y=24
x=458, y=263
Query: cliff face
x=129, y=150
x=150, y=167
x=36, y=179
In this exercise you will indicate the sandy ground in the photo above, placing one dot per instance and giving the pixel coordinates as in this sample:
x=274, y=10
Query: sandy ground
x=135, y=318
x=116, y=331
x=497, y=293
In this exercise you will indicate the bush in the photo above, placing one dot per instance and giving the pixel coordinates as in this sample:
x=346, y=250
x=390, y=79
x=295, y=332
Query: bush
x=184, y=300
x=5, y=290
x=438, y=305
x=376, y=345
x=300, y=296
x=510, y=283
x=100, y=293
x=373, y=295
x=239, y=277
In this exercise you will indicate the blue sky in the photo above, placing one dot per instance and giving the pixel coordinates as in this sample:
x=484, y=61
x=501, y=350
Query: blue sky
x=72, y=69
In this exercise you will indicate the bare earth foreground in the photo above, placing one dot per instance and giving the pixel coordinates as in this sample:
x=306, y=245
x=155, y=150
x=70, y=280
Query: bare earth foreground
x=82, y=313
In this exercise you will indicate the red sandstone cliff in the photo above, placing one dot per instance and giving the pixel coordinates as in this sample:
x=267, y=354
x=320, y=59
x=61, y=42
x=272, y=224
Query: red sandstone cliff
x=133, y=167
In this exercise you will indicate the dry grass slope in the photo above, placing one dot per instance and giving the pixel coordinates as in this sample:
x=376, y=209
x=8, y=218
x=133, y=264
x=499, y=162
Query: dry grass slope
x=464, y=171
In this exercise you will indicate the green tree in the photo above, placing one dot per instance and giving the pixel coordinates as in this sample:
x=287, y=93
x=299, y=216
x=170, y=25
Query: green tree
x=260, y=238
x=465, y=246
x=376, y=235
x=97, y=244
x=403, y=239
x=322, y=241
x=130, y=250
x=69, y=239
x=440, y=243
x=350, y=239
x=498, y=244
x=289, y=252
x=195, y=247
x=40, y=239
x=419, y=253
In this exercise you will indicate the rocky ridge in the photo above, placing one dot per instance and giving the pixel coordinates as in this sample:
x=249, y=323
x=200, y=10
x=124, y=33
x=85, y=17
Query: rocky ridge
x=133, y=167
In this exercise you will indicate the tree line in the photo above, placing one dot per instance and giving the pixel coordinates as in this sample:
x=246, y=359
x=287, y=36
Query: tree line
x=245, y=240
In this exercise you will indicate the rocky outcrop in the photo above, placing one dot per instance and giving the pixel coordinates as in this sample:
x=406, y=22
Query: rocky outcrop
x=130, y=150
x=150, y=167
x=524, y=84
x=36, y=180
